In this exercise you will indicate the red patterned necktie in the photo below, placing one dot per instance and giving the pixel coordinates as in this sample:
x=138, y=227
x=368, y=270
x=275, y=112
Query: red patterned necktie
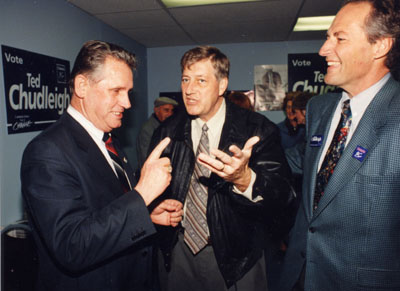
x=333, y=153
x=118, y=164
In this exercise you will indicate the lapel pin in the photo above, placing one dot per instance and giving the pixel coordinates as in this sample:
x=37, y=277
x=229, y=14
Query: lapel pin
x=316, y=140
x=360, y=153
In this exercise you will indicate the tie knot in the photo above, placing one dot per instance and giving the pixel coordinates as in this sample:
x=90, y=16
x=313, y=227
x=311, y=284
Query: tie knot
x=205, y=127
x=346, y=105
x=106, y=136
x=346, y=110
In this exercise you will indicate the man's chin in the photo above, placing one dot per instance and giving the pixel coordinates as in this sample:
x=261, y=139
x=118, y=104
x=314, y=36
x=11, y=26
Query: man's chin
x=330, y=80
x=115, y=125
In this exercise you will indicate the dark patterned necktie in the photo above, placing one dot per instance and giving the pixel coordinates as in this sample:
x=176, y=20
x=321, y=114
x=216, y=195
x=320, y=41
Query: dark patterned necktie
x=196, y=228
x=333, y=153
x=118, y=164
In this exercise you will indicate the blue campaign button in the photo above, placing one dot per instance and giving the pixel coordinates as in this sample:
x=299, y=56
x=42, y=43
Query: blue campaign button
x=316, y=140
x=360, y=153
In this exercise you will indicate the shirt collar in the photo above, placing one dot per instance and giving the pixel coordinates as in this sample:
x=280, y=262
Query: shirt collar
x=86, y=124
x=215, y=123
x=363, y=99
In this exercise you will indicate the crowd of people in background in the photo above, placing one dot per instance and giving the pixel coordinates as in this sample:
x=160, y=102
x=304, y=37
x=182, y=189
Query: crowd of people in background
x=223, y=198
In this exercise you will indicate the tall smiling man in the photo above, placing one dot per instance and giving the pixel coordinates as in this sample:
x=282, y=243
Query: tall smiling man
x=90, y=220
x=230, y=171
x=347, y=231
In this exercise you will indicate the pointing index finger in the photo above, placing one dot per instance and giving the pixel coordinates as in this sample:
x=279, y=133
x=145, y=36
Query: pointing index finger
x=156, y=153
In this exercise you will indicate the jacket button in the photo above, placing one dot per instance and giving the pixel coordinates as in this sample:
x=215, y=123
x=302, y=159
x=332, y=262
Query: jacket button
x=144, y=253
x=312, y=229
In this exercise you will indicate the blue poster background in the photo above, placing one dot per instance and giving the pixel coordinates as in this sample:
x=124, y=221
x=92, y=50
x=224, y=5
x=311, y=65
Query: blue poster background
x=36, y=89
x=306, y=73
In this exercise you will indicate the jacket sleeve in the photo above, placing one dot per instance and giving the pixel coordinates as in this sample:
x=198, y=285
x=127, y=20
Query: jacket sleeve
x=80, y=221
x=273, y=181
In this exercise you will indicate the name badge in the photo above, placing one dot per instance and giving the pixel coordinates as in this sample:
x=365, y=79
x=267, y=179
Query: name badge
x=316, y=140
x=360, y=153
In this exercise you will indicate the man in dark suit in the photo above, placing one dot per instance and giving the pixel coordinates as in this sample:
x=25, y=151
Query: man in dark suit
x=91, y=223
x=220, y=246
x=347, y=231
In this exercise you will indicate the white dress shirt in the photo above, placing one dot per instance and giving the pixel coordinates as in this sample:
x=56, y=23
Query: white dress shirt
x=358, y=105
x=215, y=125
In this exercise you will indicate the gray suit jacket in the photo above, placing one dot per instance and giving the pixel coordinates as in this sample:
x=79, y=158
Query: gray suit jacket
x=352, y=241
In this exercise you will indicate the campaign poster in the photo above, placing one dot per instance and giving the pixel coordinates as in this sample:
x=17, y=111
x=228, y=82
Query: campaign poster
x=36, y=89
x=270, y=86
x=306, y=74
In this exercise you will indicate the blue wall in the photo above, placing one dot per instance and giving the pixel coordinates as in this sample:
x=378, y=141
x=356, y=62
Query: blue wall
x=58, y=29
x=163, y=65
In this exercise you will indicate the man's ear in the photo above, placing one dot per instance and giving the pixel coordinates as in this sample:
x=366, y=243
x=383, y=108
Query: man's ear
x=383, y=46
x=223, y=85
x=81, y=84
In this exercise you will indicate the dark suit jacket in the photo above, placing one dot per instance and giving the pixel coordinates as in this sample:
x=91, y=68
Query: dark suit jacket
x=352, y=241
x=89, y=235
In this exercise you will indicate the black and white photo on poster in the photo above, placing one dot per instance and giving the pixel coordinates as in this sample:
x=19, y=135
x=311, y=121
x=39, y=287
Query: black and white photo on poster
x=36, y=89
x=270, y=86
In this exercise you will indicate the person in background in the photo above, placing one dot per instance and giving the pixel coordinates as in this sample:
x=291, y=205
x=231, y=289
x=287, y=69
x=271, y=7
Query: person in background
x=90, y=219
x=294, y=155
x=299, y=106
x=240, y=99
x=230, y=171
x=163, y=108
x=346, y=235
x=289, y=130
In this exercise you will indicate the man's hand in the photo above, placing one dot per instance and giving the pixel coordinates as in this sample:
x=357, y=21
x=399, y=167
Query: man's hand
x=168, y=212
x=235, y=168
x=155, y=175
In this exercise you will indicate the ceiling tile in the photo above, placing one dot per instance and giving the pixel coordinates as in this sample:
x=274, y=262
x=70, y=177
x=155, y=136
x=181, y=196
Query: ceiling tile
x=108, y=6
x=150, y=18
x=160, y=36
x=320, y=8
x=236, y=12
x=151, y=24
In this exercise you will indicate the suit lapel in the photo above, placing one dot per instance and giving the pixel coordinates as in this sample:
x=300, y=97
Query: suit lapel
x=318, y=129
x=94, y=157
x=124, y=159
x=366, y=137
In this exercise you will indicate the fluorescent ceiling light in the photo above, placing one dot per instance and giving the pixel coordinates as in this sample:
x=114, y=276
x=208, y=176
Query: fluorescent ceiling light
x=313, y=23
x=184, y=3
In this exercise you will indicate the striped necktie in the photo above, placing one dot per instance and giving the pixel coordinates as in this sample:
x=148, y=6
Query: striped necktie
x=118, y=164
x=196, y=233
x=333, y=153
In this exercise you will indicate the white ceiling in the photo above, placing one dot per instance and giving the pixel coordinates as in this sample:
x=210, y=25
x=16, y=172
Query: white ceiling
x=150, y=23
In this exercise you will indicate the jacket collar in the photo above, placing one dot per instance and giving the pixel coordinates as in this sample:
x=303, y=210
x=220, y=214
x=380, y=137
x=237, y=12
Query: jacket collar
x=231, y=130
x=94, y=157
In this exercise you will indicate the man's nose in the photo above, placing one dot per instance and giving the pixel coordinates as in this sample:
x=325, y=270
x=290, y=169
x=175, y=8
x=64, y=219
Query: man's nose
x=124, y=101
x=325, y=49
x=189, y=87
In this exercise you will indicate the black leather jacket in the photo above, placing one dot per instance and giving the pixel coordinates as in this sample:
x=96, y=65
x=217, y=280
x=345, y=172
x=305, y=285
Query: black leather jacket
x=237, y=226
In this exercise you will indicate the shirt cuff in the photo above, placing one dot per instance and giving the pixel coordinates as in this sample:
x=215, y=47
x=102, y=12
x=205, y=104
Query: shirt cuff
x=249, y=191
